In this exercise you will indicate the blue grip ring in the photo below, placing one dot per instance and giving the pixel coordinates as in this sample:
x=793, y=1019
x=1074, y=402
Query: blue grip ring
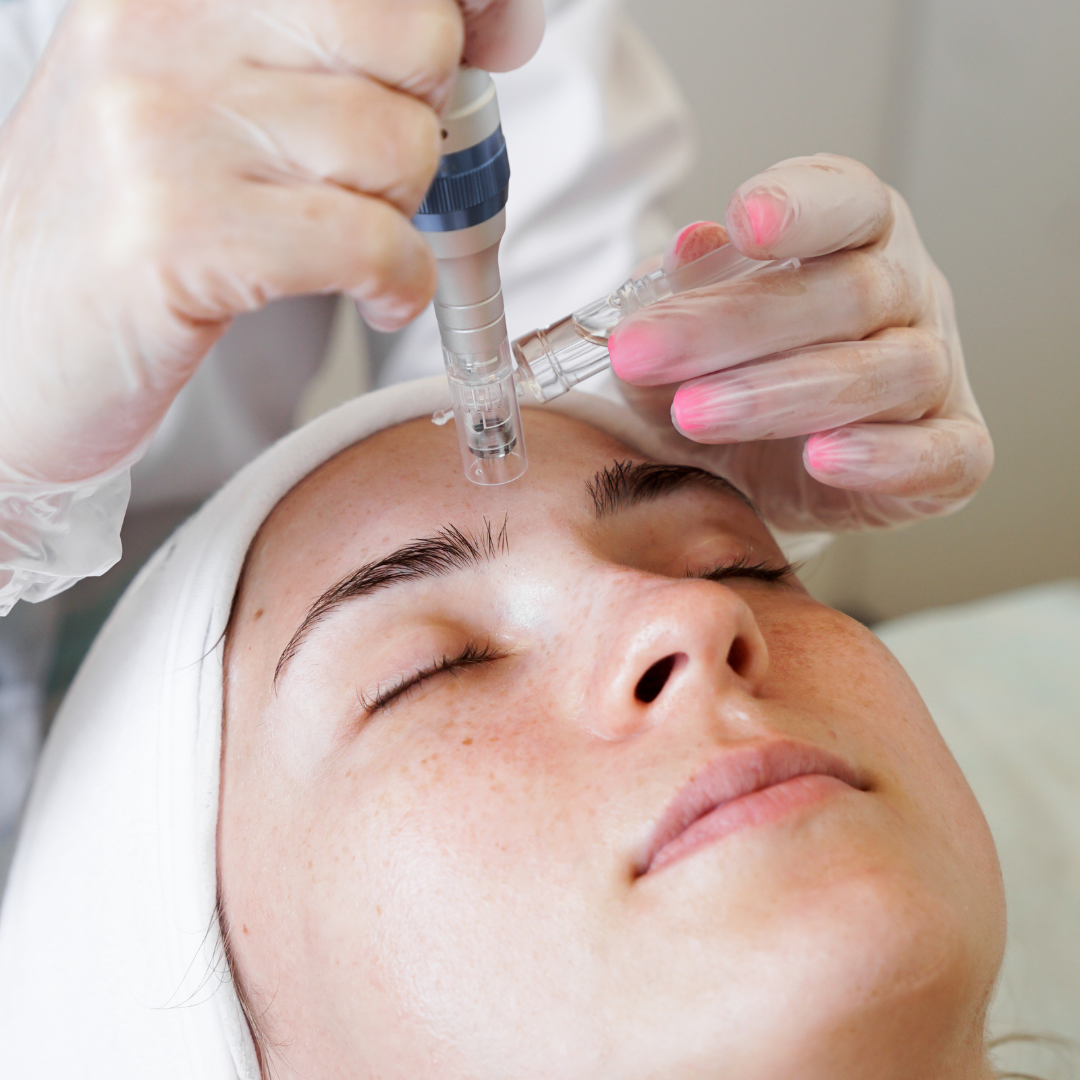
x=470, y=186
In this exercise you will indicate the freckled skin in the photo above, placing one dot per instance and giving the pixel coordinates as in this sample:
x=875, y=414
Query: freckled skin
x=447, y=889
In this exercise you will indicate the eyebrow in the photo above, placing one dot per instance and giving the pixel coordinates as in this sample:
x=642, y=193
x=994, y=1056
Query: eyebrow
x=449, y=550
x=625, y=484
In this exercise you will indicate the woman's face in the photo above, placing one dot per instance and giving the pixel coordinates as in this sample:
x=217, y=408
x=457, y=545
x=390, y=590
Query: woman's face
x=555, y=786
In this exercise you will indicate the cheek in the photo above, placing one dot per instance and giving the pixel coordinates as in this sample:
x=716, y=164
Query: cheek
x=842, y=680
x=434, y=853
x=854, y=695
x=470, y=795
x=844, y=683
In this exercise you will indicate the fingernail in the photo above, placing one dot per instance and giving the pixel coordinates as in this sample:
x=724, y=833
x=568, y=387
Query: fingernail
x=706, y=408
x=835, y=452
x=691, y=410
x=637, y=351
x=695, y=409
x=767, y=215
x=691, y=243
x=386, y=314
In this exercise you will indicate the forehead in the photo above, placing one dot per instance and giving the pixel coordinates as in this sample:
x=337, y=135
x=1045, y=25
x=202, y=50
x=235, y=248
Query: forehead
x=407, y=481
x=402, y=483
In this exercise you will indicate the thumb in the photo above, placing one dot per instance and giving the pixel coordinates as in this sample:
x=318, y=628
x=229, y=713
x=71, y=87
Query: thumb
x=809, y=206
x=501, y=35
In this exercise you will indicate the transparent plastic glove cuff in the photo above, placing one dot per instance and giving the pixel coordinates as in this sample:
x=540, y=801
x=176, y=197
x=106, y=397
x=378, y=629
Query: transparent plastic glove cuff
x=50, y=539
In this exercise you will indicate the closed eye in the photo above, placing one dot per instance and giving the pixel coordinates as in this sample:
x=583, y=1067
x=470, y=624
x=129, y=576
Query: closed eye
x=742, y=567
x=472, y=655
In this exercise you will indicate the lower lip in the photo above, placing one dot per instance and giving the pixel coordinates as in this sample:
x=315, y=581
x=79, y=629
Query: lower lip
x=758, y=808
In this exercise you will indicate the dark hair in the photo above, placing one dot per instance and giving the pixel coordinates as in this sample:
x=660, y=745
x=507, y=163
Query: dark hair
x=263, y=1045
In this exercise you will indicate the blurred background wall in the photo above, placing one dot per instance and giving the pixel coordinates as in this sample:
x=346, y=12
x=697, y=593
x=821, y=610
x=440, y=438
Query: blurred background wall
x=971, y=108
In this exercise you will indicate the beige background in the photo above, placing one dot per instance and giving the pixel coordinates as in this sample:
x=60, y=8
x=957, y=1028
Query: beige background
x=971, y=108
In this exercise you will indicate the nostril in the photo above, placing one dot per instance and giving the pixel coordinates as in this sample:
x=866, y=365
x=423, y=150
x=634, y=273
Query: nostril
x=739, y=656
x=653, y=681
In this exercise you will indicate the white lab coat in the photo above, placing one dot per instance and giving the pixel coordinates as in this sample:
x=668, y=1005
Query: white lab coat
x=596, y=131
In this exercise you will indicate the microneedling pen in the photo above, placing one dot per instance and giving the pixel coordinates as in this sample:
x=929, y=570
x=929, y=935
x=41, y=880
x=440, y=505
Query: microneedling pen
x=463, y=217
x=552, y=360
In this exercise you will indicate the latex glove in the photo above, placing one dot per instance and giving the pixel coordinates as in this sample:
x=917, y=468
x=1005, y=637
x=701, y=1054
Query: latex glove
x=174, y=163
x=836, y=393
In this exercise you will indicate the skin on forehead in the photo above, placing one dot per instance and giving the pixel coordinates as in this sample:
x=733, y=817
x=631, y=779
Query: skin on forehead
x=452, y=886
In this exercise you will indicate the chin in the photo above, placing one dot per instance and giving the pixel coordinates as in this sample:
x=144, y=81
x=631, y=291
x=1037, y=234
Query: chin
x=892, y=980
x=846, y=958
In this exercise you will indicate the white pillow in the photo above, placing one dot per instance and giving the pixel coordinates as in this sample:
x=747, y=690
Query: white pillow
x=1002, y=679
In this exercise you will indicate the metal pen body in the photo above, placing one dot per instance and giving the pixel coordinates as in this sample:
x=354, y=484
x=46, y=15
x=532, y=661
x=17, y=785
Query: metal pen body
x=463, y=218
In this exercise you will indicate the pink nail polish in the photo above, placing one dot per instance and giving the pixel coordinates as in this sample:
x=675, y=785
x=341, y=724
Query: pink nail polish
x=818, y=456
x=832, y=451
x=767, y=215
x=693, y=242
x=694, y=410
x=637, y=351
x=684, y=235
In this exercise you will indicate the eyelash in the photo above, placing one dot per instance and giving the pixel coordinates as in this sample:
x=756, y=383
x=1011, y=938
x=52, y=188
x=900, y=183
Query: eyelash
x=743, y=568
x=472, y=655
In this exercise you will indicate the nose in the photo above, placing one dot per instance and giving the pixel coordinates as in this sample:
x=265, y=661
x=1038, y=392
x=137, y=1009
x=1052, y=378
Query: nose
x=688, y=642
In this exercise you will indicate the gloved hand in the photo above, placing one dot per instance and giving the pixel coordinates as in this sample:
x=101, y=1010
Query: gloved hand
x=835, y=393
x=174, y=163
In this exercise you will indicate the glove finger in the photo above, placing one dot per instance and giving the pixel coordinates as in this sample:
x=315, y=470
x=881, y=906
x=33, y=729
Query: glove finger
x=275, y=240
x=413, y=45
x=692, y=242
x=339, y=129
x=933, y=460
x=501, y=35
x=809, y=206
x=897, y=375
x=841, y=297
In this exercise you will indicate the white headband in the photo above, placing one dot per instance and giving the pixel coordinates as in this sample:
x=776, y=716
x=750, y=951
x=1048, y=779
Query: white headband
x=111, y=963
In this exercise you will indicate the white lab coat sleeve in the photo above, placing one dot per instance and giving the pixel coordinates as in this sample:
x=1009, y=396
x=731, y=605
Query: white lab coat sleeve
x=50, y=537
x=597, y=133
x=25, y=29
x=17, y=54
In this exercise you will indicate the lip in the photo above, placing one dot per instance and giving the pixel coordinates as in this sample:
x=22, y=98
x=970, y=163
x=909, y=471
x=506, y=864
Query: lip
x=740, y=788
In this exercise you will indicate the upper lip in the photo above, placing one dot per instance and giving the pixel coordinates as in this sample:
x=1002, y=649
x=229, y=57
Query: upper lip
x=739, y=772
